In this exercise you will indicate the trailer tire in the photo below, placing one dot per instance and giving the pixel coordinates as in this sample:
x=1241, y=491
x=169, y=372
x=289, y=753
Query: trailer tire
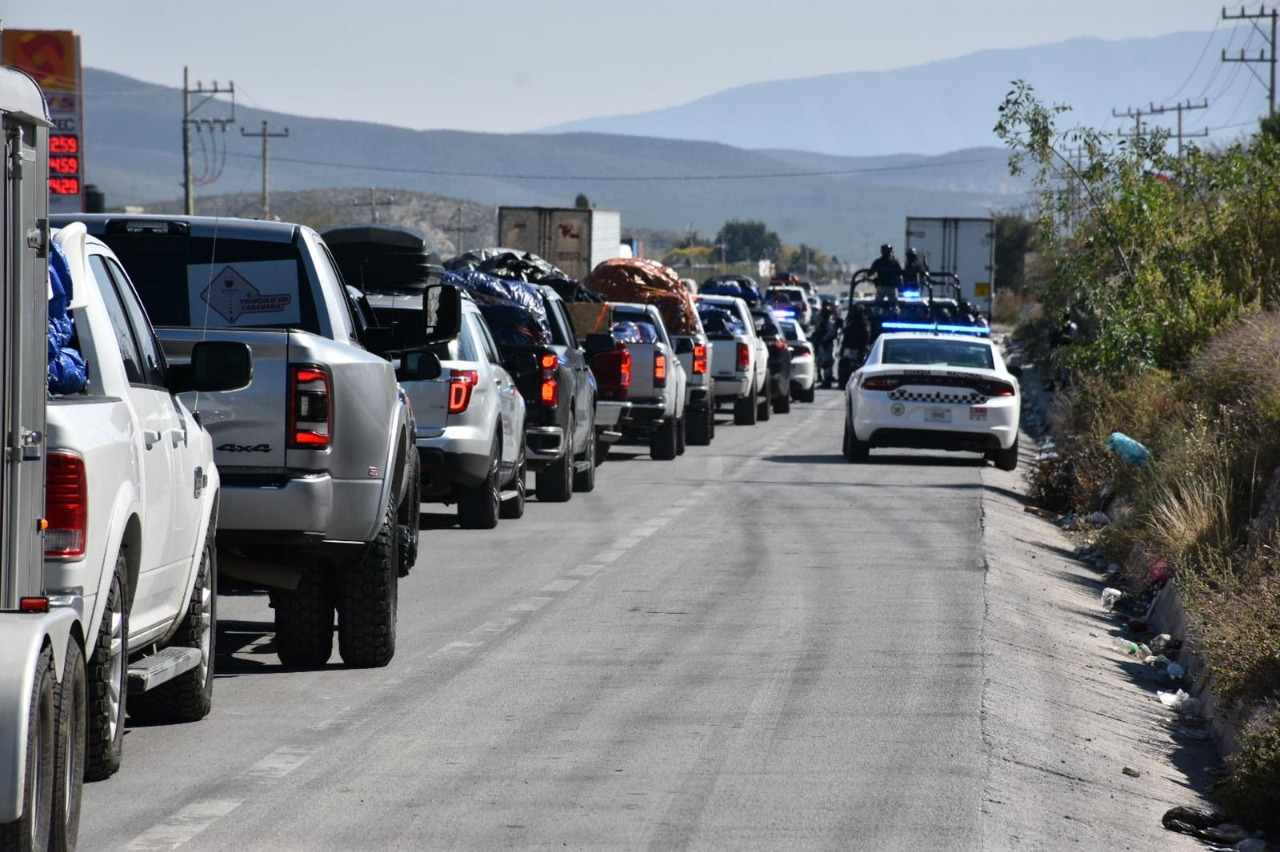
x=69, y=751
x=367, y=601
x=107, y=675
x=30, y=831
x=189, y=696
x=304, y=620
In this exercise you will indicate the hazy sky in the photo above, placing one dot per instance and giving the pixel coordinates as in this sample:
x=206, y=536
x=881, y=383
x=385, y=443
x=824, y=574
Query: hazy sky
x=513, y=65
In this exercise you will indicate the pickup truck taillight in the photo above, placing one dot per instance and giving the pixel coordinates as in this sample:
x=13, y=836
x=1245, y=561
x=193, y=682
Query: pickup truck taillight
x=461, y=384
x=549, y=393
x=66, y=506
x=613, y=372
x=744, y=356
x=659, y=371
x=700, y=358
x=310, y=412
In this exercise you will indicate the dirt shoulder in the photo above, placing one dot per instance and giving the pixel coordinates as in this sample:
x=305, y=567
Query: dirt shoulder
x=1080, y=750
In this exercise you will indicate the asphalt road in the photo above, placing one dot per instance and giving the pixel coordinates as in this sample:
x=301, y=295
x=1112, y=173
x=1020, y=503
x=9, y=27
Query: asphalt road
x=757, y=645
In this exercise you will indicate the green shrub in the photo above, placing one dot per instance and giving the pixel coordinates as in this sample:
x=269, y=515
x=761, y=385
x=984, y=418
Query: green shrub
x=1253, y=790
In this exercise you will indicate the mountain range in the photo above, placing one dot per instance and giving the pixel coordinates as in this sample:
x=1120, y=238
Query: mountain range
x=820, y=163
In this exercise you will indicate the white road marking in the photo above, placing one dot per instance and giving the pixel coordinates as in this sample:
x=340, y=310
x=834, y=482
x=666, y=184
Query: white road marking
x=184, y=825
x=497, y=625
x=626, y=543
x=560, y=585
x=280, y=762
x=608, y=555
x=531, y=604
x=584, y=571
x=460, y=647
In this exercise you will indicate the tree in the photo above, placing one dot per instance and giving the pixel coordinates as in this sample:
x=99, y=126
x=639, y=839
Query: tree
x=582, y=202
x=1015, y=236
x=748, y=241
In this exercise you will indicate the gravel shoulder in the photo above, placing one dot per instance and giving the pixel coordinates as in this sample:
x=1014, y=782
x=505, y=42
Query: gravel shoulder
x=1080, y=750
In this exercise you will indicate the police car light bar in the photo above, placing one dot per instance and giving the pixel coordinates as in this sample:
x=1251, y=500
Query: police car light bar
x=935, y=328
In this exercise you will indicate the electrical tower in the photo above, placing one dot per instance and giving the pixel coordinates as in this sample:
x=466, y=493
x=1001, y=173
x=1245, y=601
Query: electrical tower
x=1267, y=56
x=266, y=137
x=1136, y=115
x=190, y=120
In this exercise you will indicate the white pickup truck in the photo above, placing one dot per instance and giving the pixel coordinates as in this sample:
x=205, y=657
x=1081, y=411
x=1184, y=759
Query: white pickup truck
x=131, y=505
x=739, y=357
x=658, y=384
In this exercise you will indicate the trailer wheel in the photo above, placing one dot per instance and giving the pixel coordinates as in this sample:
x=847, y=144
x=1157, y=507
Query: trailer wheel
x=108, y=682
x=30, y=832
x=304, y=620
x=69, y=751
x=189, y=696
x=368, y=596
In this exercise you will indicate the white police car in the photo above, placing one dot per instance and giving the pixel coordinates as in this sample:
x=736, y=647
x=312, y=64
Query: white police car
x=933, y=387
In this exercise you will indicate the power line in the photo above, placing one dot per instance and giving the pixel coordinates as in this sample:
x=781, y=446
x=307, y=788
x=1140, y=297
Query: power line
x=266, y=138
x=1263, y=57
x=190, y=120
x=1179, y=108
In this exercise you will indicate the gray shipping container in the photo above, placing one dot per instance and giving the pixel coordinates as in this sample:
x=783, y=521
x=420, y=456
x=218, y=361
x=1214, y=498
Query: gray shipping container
x=572, y=238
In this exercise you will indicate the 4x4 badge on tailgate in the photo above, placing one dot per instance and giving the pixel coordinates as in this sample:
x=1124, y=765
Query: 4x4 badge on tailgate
x=244, y=448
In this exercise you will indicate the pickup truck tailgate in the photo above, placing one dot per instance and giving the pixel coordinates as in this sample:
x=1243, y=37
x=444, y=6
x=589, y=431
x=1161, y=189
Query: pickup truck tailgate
x=642, y=370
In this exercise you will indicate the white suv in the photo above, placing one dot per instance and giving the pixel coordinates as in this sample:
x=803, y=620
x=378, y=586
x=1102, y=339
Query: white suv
x=471, y=417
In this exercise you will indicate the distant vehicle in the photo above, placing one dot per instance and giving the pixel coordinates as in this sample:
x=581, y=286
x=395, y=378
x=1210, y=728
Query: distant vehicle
x=803, y=363
x=791, y=300
x=742, y=286
x=963, y=247
x=779, y=359
x=933, y=391
x=574, y=239
x=657, y=381
x=739, y=357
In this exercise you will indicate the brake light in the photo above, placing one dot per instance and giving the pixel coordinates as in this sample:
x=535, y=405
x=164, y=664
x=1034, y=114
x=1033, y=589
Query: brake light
x=995, y=388
x=884, y=383
x=801, y=349
x=659, y=371
x=310, y=411
x=624, y=370
x=549, y=394
x=461, y=384
x=33, y=605
x=778, y=343
x=699, y=358
x=66, y=506
x=744, y=356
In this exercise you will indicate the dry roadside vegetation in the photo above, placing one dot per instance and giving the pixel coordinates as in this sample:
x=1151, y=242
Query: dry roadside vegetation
x=1170, y=271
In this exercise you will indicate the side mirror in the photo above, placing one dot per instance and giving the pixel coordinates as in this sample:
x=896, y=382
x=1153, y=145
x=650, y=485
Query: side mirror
x=419, y=367
x=442, y=312
x=684, y=345
x=216, y=365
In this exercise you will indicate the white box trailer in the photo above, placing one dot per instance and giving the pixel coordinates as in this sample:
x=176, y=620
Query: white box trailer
x=572, y=238
x=964, y=247
x=43, y=698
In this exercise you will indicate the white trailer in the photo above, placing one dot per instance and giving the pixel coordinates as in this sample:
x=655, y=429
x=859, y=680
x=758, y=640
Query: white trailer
x=43, y=698
x=964, y=247
x=575, y=239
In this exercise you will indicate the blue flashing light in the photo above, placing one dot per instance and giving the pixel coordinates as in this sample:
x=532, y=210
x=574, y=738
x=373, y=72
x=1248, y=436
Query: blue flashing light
x=910, y=294
x=781, y=314
x=935, y=328
x=907, y=326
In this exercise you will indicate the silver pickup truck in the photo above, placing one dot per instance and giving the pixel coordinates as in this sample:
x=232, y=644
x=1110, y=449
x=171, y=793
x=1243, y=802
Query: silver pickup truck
x=317, y=455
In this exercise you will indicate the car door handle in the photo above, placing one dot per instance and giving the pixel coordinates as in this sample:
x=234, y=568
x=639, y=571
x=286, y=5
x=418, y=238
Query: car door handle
x=150, y=437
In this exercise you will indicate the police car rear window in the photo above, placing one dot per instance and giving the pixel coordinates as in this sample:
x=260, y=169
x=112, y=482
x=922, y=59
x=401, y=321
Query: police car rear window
x=934, y=352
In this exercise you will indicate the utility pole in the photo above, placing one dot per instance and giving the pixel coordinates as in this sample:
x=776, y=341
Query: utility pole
x=1136, y=115
x=1180, y=108
x=1263, y=57
x=266, y=158
x=459, y=230
x=374, y=202
x=189, y=119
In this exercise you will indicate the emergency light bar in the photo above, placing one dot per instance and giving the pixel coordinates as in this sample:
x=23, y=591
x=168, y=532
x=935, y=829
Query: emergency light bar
x=935, y=328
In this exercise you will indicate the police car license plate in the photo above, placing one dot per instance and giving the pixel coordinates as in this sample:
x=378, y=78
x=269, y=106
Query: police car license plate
x=937, y=415
x=978, y=414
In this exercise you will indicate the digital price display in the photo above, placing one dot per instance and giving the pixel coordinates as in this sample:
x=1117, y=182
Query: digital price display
x=64, y=164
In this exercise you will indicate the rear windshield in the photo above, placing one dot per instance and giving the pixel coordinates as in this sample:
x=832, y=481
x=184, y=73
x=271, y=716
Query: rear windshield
x=947, y=353
x=224, y=283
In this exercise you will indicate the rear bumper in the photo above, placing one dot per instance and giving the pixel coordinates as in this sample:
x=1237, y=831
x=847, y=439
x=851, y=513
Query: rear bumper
x=611, y=418
x=929, y=439
x=296, y=507
x=699, y=397
x=730, y=387
x=544, y=443
x=442, y=470
x=645, y=418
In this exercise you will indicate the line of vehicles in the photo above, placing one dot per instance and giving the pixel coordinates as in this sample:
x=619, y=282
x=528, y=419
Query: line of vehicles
x=209, y=400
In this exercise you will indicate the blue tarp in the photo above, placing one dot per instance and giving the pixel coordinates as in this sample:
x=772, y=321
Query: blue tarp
x=66, y=366
x=514, y=310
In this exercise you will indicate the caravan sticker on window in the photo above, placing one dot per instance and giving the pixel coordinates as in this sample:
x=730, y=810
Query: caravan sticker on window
x=263, y=292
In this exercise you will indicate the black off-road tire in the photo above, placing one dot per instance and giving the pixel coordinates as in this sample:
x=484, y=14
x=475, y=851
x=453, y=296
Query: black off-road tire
x=304, y=619
x=30, y=832
x=584, y=481
x=479, y=507
x=663, y=444
x=782, y=404
x=409, y=518
x=699, y=429
x=367, y=601
x=1006, y=459
x=107, y=673
x=745, y=411
x=189, y=696
x=555, y=481
x=513, y=508
x=69, y=751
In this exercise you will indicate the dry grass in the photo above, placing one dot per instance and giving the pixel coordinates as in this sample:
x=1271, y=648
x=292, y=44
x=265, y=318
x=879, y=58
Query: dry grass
x=1193, y=510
